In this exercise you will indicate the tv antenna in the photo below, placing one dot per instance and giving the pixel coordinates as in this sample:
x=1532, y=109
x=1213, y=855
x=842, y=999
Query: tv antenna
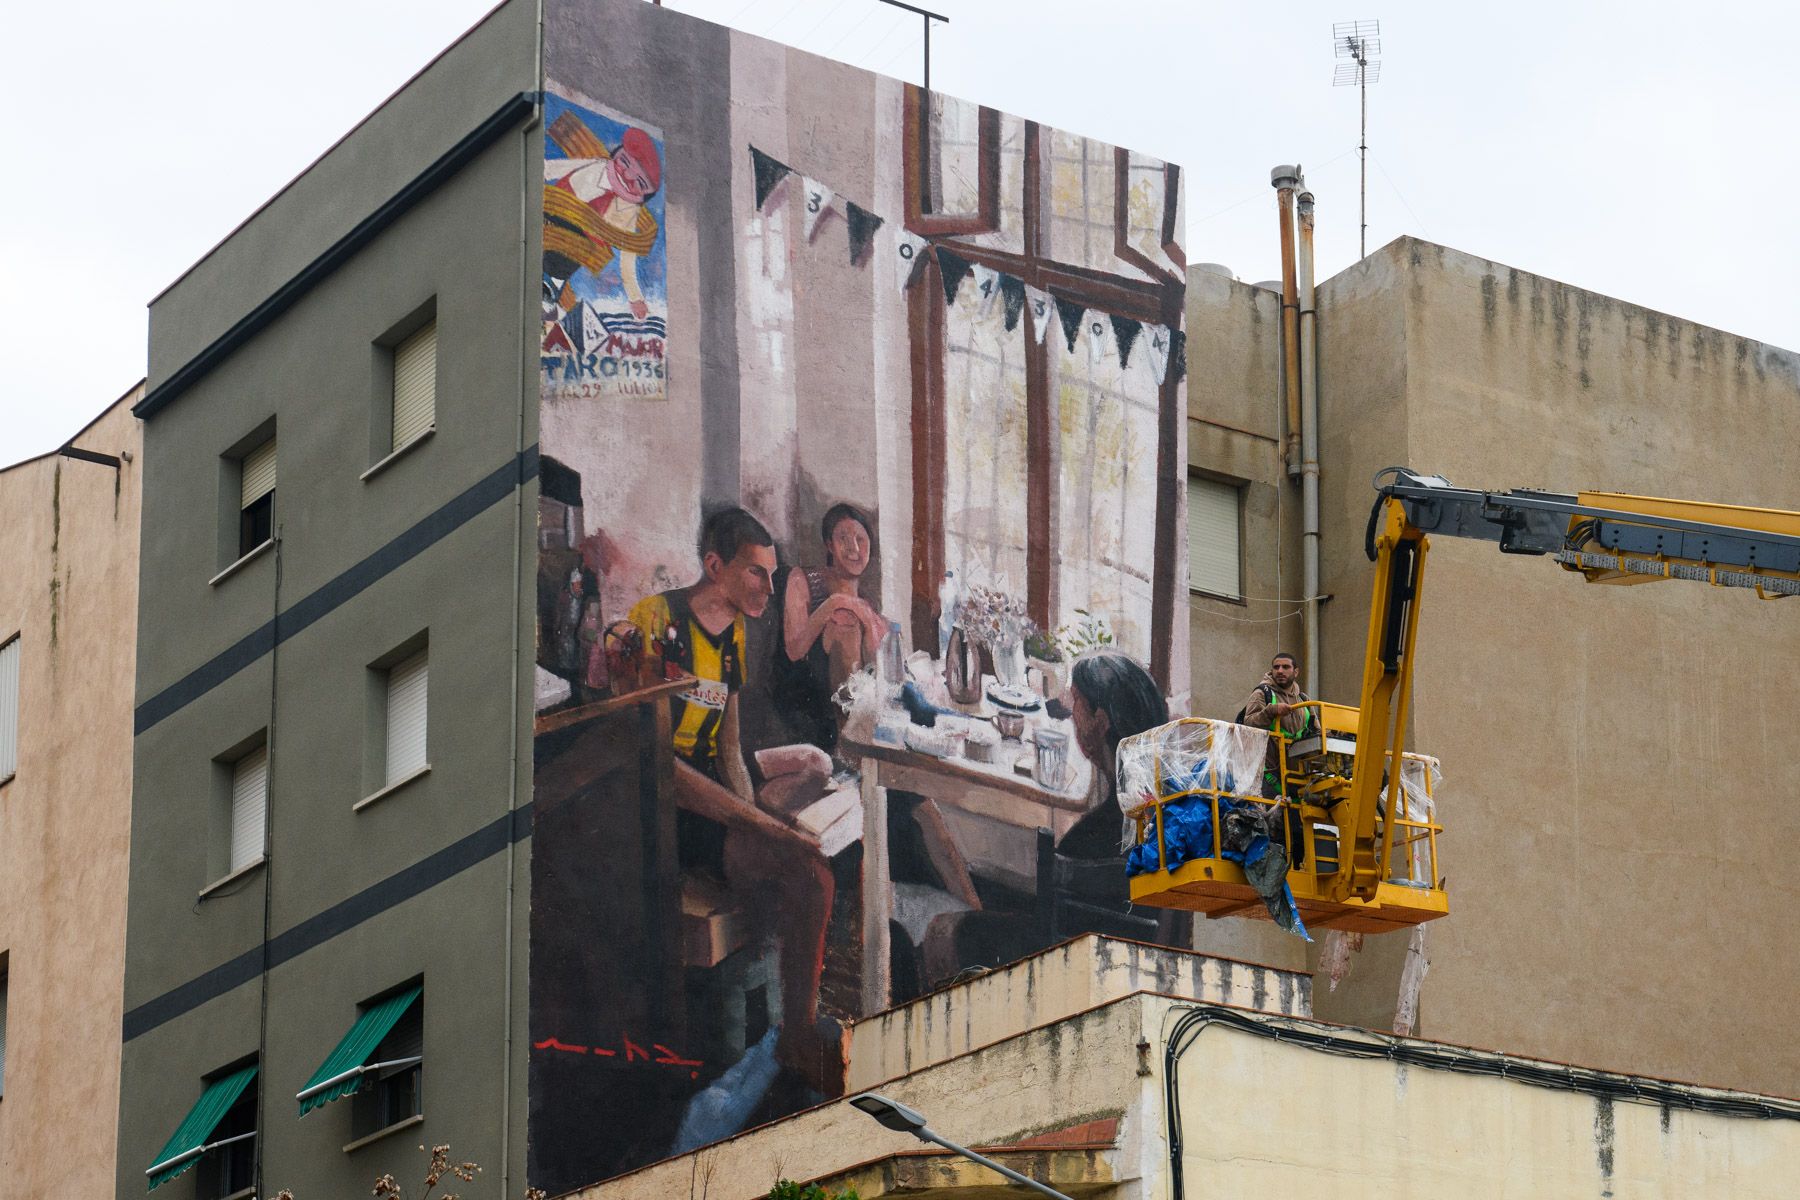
x=929, y=18
x=1359, y=41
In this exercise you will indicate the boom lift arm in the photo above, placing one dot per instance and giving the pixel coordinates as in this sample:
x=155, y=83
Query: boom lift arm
x=1376, y=868
x=1606, y=537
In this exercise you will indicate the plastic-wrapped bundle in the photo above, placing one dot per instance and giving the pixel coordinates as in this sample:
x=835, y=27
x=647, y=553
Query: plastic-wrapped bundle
x=1420, y=775
x=1189, y=755
x=1187, y=834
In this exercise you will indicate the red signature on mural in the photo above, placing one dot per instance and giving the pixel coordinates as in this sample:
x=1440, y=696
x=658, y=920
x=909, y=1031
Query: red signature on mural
x=630, y=1051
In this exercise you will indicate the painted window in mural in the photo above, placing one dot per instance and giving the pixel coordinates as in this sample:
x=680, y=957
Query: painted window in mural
x=606, y=305
x=1081, y=199
x=987, y=453
x=1106, y=425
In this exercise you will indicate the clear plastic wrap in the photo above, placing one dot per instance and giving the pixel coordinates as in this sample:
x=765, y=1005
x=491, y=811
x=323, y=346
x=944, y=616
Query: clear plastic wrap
x=1420, y=775
x=1195, y=754
x=1412, y=978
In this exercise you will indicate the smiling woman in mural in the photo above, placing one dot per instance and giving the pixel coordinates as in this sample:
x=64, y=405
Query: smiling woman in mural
x=828, y=630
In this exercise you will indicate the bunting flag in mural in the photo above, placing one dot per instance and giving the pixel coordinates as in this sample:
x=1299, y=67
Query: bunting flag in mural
x=910, y=250
x=954, y=268
x=1098, y=331
x=606, y=305
x=819, y=199
x=1070, y=314
x=1039, y=303
x=862, y=225
x=987, y=287
x=1012, y=296
x=1125, y=333
x=768, y=173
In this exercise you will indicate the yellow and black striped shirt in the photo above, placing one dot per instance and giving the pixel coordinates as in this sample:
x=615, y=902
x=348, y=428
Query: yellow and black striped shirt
x=717, y=661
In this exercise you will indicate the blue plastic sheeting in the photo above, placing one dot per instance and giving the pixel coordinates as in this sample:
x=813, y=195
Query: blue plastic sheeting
x=1187, y=834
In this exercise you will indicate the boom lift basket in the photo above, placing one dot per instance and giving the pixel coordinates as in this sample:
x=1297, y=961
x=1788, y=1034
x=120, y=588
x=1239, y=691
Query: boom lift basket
x=1191, y=788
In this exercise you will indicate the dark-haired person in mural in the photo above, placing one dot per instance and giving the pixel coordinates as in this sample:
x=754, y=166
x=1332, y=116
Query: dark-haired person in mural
x=828, y=630
x=1110, y=697
x=778, y=874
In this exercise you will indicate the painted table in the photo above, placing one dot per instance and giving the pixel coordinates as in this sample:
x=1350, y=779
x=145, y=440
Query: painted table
x=993, y=791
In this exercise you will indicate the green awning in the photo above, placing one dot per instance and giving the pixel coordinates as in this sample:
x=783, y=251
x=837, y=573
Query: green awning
x=354, y=1051
x=189, y=1142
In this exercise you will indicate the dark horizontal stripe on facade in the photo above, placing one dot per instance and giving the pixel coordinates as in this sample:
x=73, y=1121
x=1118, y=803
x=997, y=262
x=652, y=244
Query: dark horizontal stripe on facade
x=473, y=501
x=340, y=252
x=345, y=915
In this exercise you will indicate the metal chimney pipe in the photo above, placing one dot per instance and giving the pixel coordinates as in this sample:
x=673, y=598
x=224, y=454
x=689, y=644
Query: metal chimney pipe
x=1309, y=446
x=1284, y=179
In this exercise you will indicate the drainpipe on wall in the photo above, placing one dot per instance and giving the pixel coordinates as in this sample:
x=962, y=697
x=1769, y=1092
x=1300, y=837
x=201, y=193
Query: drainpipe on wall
x=1309, y=445
x=1284, y=179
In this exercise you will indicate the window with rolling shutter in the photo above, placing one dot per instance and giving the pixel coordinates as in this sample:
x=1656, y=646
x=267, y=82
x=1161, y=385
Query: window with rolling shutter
x=9, y=709
x=406, y=688
x=249, y=807
x=415, y=385
x=1215, y=558
x=256, y=523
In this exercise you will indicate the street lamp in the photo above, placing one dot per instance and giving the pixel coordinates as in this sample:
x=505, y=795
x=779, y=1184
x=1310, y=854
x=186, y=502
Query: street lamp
x=901, y=1119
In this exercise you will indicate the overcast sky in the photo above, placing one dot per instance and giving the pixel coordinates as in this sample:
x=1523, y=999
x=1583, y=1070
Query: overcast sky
x=1647, y=157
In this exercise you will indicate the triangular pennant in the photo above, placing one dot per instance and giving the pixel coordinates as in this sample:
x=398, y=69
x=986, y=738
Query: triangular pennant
x=1099, y=335
x=1012, y=295
x=909, y=252
x=818, y=200
x=769, y=172
x=954, y=270
x=987, y=287
x=1039, y=304
x=1125, y=332
x=1156, y=345
x=1070, y=315
x=862, y=224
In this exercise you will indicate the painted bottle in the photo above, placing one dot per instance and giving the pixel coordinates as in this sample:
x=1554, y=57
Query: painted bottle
x=948, y=597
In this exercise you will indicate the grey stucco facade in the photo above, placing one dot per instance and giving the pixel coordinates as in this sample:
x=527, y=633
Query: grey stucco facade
x=428, y=882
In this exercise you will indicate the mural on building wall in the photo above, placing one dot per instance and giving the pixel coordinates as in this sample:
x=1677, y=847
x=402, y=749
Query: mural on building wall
x=606, y=306
x=834, y=648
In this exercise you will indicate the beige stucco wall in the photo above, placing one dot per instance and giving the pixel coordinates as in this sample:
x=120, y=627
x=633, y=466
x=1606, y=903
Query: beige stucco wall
x=1618, y=761
x=1262, y=1117
x=1051, y=986
x=1235, y=422
x=69, y=542
x=1077, y=1070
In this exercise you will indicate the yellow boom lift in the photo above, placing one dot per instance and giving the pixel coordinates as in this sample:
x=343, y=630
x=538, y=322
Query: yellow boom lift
x=1370, y=862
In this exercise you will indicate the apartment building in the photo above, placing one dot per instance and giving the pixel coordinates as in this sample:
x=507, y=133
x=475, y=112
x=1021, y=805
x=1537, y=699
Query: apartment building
x=68, y=613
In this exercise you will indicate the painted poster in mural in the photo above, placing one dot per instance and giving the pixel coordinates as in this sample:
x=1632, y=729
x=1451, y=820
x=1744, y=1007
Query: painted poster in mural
x=834, y=650
x=606, y=301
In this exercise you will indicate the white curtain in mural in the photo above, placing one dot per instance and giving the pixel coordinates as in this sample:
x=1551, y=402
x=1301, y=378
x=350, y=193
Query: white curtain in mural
x=1106, y=429
x=985, y=528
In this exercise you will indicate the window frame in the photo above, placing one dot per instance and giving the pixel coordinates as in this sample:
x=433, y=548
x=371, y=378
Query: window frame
x=383, y=451
x=378, y=781
x=217, y=1171
x=233, y=553
x=1238, y=490
x=13, y=711
x=1158, y=300
x=219, y=866
x=917, y=174
x=372, y=1112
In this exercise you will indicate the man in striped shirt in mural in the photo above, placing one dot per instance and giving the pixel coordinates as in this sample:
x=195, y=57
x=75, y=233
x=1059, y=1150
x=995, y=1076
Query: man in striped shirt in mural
x=778, y=875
